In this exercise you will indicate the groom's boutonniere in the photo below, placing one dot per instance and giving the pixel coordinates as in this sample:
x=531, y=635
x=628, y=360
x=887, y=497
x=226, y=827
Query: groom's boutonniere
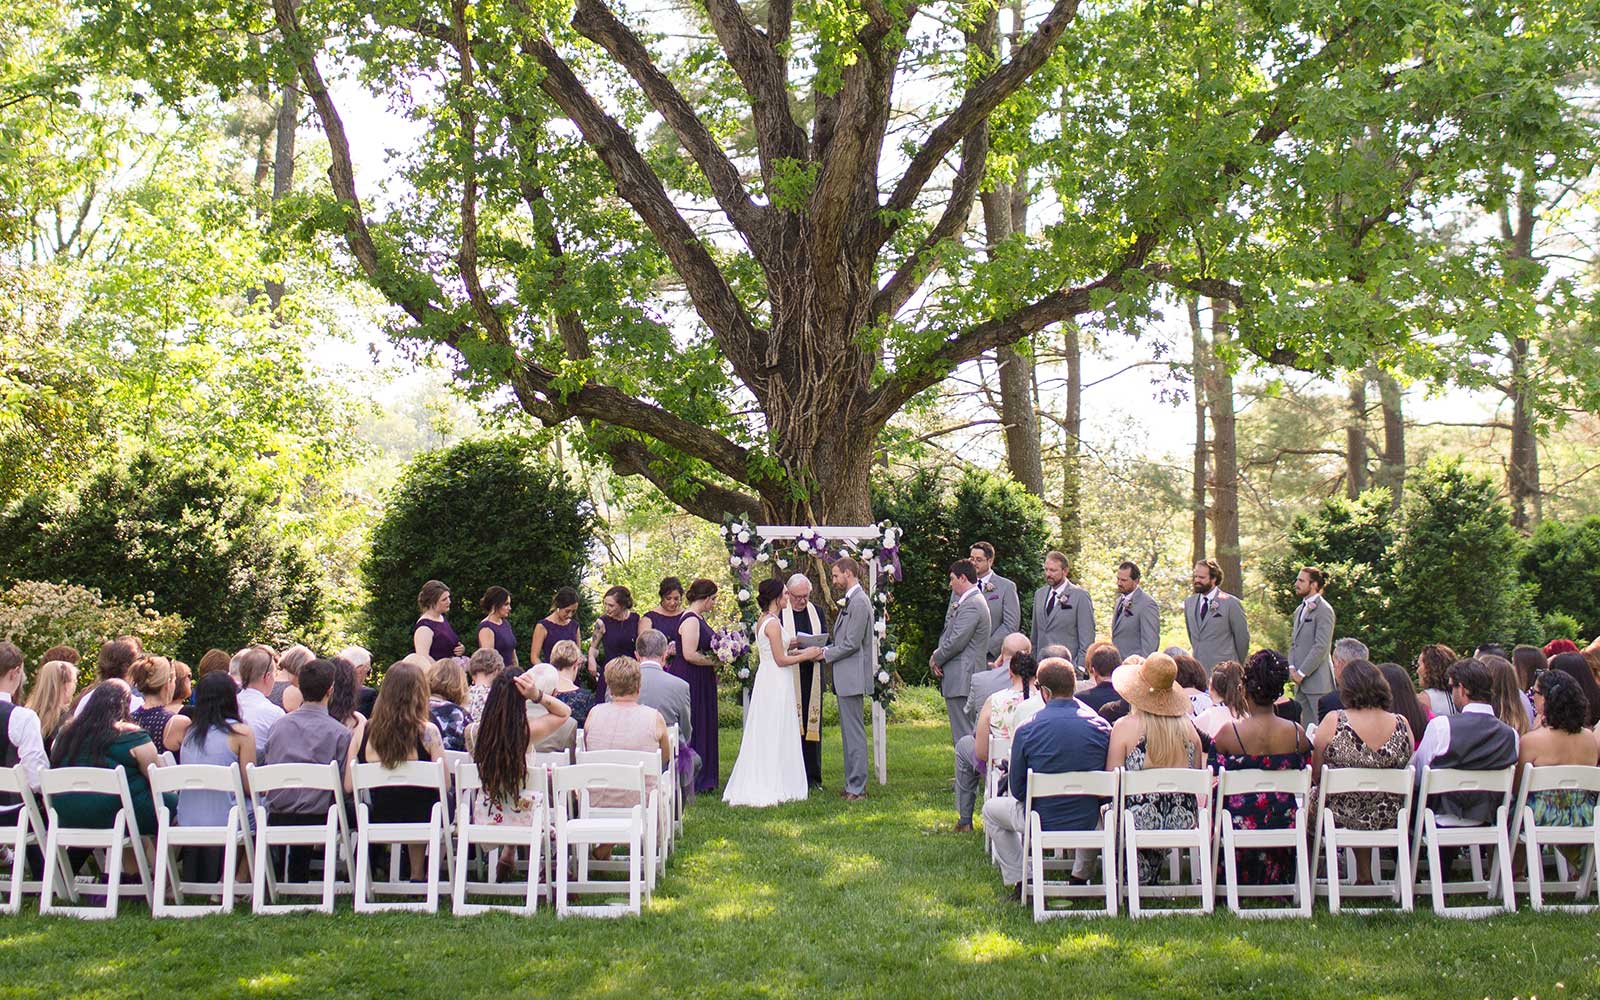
x=842, y=602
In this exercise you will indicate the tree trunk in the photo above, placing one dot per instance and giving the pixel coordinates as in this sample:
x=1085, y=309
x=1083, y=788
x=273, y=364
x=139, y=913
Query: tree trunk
x=1522, y=475
x=1392, y=463
x=1355, y=437
x=283, y=161
x=1198, y=372
x=1072, y=448
x=1224, y=453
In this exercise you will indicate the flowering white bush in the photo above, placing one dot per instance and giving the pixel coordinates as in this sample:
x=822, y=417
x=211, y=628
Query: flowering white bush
x=37, y=615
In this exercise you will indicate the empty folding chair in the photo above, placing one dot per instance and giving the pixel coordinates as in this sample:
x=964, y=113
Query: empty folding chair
x=1187, y=781
x=657, y=817
x=1329, y=836
x=232, y=835
x=1438, y=829
x=123, y=834
x=332, y=835
x=576, y=832
x=472, y=832
x=1578, y=782
x=26, y=832
x=367, y=778
x=1036, y=841
x=1230, y=840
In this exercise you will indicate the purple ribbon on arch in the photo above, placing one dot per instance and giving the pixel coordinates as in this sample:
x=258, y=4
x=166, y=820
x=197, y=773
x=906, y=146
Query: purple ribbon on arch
x=745, y=552
x=889, y=558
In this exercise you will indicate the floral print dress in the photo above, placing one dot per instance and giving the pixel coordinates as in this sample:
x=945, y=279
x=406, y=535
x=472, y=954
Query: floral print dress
x=1158, y=810
x=1264, y=811
x=1364, y=810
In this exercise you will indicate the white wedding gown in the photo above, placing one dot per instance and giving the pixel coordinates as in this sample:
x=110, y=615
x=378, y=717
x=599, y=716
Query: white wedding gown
x=770, y=768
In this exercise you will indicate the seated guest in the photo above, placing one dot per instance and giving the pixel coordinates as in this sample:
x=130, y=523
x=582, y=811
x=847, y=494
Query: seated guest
x=1473, y=740
x=399, y=731
x=308, y=735
x=1260, y=741
x=1103, y=662
x=482, y=669
x=182, y=687
x=1346, y=650
x=21, y=737
x=1530, y=662
x=66, y=654
x=502, y=744
x=541, y=728
x=361, y=661
x=346, y=690
x=1490, y=649
x=447, y=690
x=1403, y=699
x=1555, y=647
x=1156, y=733
x=996, y=721
x=566, y=657
x=1433, y=668
x=1227, y=699
x=285, y=676
x=152, y=677
x=997, y=678
x=255, y=682
x=1061, y=738
x=670, y=695
x=1560, y=737
x=1193, y=682
x=1364, y=733
x=1576, y=667
x=103, y=735
x=1511, y=705
x=114, y=661
x=623, y=723
x=53, y=688
x=213, y=660
x=543, y=679
x=214, y=736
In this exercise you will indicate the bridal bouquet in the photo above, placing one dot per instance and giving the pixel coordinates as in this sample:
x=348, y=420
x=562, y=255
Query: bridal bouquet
x=730, y=646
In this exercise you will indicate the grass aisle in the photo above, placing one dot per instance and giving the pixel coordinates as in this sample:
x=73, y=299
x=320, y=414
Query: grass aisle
x=820, y=899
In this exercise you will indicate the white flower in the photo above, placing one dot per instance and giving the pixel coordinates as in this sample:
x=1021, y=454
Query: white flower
x=783, y=564
x=744, y=595
x=744, y=536
x=883, y=677
x=733, y=561
x=881, y=627
x=890, y=656
x=744, y=673
x=866, y=553
x=761, y=557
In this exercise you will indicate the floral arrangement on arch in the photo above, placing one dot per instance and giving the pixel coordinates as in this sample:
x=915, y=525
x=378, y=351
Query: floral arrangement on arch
x=748, y=550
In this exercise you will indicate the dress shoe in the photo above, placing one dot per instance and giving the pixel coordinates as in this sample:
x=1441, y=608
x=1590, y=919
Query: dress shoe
x=853, y=796
x=963, y=828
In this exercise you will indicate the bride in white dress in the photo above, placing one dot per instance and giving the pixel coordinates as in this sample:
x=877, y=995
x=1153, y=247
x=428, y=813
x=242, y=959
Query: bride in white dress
x=770, y=768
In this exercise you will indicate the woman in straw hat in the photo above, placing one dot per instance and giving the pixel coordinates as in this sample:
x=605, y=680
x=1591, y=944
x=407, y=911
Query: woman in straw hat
x=1155, y=733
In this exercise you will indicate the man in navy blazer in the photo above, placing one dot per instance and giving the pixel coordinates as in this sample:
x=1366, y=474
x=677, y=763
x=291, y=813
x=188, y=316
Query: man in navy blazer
x=1062, y=737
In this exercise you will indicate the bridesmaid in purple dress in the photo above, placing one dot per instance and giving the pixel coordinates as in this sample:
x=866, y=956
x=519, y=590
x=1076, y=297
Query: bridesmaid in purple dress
x=695, y=664
x=495, y=632
x=561, y=623
x=432, y=636
x=615, y=633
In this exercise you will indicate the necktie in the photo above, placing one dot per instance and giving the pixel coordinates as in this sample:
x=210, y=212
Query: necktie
x=1122, y=602
x=1205, y=608
x=1050, y=605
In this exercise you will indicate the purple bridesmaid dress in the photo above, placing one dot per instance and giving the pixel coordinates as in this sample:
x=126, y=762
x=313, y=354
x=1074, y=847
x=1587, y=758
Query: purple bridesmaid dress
x=553, y=634
x=619, y=639
x=702, y=704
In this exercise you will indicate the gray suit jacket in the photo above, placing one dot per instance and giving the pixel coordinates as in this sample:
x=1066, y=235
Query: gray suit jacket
x=1071, y=624
x=668, y=695
x=1222, y=636
x=1136, y=624
x=984, y=684
x=1311, y=646
x=962, y=645
x=849, y=648
x=1005, y=613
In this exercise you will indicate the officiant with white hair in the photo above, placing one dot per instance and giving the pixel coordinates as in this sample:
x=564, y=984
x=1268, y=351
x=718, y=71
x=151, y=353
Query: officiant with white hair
x=805, y=618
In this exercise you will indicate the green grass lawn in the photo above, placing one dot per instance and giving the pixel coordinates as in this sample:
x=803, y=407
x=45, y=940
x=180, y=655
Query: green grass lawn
x=821, y=899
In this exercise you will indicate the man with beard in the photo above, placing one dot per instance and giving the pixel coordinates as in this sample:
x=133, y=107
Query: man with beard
x=1217, y=629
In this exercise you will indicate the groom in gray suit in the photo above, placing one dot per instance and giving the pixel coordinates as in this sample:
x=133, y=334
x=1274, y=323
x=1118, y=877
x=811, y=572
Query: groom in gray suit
x=1000, y=594
x=1217, y=629
x=1063, y=612
x=1311, y=643
x=1135, y=618
x=849, y=651
x=962, y=645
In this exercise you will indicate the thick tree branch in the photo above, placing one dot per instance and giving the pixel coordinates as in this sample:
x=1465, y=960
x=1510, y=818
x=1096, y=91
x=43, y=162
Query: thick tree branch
x=764, y=73
x=697, y=495
x=467, y=253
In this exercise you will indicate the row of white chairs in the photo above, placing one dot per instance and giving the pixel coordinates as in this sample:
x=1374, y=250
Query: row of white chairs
x=1431, y=830
x=564, y=824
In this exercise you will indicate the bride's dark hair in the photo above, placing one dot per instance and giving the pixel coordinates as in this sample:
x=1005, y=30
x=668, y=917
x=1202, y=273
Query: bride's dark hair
x=769, y=591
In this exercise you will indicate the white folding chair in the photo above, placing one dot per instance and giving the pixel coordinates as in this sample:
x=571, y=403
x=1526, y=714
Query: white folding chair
x=470, y=833
x=577, y=739
x=27, y=832
x=1333, y=838
x=1230, y=840
x=332, y=835
x=1440, y=829
x=166, y=758
x=576, y=832
x=231, y=836
x=1036, y=841
x=1572, y=779
x=675, y=739
x=408, y=774
x=1195, y=782
x=123, y=834
x=657, y=815
x=993, y=775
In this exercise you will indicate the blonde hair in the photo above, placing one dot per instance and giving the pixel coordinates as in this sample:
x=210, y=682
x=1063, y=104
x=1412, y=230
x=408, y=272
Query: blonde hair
x=565, y=655
x=622, y=676
x=54, y=679
x=447, y=680
x=1166, y=739
x=150, y=674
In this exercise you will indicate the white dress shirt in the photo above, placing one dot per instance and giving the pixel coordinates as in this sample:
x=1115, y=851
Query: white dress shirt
x=28, y=738
x=1436, y=738
x=259, y=714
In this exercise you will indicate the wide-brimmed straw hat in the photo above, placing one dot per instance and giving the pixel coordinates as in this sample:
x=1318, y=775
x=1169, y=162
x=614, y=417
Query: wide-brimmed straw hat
x=1151, y=686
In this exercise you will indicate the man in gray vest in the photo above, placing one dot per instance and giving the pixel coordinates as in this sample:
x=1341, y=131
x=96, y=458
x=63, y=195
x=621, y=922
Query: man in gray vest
x=1063, y=613
x=1135, y=618
x=1217, y=629
x=1474, y=740
x=960, y=652
x=668, y=695
x=1311, y=643
x=999, y=595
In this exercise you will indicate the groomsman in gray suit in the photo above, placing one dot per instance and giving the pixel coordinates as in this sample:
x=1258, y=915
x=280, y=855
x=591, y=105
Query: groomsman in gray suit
x=1217, y=629
x=1311, y=643
x=1000, y=594
x=960, y=652
x=1063, y=613
x=1136, y=618
x=849, y=650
